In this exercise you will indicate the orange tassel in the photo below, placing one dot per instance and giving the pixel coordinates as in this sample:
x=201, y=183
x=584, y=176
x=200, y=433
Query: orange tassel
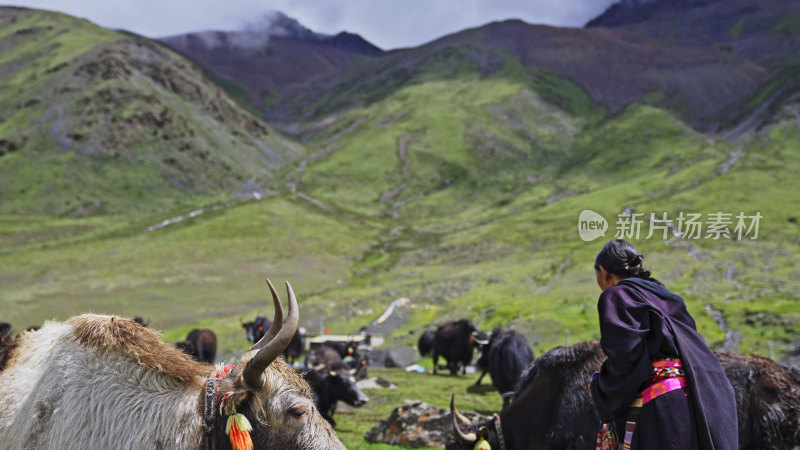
x=238, y=430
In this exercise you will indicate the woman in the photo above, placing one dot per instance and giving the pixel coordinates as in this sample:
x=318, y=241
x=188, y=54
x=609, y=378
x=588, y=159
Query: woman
x=661, y=386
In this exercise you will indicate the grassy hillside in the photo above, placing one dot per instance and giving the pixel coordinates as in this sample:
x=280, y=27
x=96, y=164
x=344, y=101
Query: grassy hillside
x=482, y=175
x=460, y=237
x=93, y=120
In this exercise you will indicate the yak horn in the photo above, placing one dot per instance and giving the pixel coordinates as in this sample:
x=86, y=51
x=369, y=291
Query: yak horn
x=469, y=438
x=274, y=342
x=463, y=419
x=475, y=338
x=277, y=320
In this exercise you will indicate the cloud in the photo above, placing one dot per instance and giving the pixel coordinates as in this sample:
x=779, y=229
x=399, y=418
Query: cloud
x=386, y=23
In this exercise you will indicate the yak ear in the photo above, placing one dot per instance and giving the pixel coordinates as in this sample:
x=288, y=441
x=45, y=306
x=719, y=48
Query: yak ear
x=236, y=399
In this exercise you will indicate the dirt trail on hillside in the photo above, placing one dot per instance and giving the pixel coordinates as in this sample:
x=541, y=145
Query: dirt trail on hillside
x=566, y=264
x=403, y=143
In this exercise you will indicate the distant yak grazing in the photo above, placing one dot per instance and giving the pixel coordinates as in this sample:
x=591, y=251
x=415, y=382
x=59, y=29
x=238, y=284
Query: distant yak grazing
x=200, y=345
x=453, y=342
x=255, y=330
x=505, y=356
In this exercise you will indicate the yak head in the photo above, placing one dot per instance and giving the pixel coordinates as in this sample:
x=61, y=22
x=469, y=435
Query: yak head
x=256, y=329
x=275, y=399
x=465, y=435
x=342, y=382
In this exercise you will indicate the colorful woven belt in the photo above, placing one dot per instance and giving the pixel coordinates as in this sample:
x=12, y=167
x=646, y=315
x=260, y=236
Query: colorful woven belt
x=668, y=376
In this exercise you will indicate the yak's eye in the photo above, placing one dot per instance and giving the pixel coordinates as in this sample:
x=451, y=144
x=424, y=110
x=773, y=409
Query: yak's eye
x=298, y=411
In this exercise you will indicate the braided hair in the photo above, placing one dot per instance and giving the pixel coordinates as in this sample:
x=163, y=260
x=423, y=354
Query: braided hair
x=621, y=258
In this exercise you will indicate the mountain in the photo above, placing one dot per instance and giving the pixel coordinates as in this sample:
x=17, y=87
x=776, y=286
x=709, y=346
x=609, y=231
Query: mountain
x=615, y=71
x=272, y=59
x=632, y=11
x=93, y=120
x=764, y=31
x=707, y=75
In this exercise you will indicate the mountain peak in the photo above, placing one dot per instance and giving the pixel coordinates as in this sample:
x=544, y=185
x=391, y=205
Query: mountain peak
x=354, y=43
x=278, y=24
x=256, y=35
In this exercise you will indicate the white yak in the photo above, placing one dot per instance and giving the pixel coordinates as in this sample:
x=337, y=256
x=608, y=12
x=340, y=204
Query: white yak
x=104, y=382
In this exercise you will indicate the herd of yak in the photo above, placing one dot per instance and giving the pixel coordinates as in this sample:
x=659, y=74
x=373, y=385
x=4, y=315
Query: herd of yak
x=545, y=400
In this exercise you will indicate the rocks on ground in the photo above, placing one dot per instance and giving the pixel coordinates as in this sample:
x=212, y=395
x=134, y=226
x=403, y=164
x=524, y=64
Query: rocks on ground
x=397, y=357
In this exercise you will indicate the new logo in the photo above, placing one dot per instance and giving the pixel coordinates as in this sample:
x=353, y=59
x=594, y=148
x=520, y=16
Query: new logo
x=591, y=225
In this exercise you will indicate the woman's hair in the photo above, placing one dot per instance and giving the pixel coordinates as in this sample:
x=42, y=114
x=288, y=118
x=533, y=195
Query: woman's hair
x=621, y=258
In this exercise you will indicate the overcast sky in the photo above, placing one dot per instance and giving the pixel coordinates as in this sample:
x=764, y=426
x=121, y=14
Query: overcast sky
x=386, y=23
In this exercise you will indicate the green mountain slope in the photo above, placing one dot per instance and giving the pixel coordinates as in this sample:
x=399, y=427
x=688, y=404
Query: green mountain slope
x=94, y=120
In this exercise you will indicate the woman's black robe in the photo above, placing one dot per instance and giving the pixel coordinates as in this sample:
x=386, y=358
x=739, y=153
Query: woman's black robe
x=641, y=321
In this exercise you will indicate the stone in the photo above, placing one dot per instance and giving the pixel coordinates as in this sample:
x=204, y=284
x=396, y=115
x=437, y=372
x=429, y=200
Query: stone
x=396, y=357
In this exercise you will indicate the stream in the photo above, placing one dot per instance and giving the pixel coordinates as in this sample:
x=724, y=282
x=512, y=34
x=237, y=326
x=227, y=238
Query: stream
x=255, y=195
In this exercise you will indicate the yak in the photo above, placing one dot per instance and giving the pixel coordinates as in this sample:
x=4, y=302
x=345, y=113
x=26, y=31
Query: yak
x=345, y=349
x=6, y=343
x=553, y=408
x=333, y=384
x=453, y=342
x=322, y=355
x=425, y=343
x=256, y=329
x=98, y=381
x=358, y=367
x=505, y=356
x=295, y=347
x=200, y=345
